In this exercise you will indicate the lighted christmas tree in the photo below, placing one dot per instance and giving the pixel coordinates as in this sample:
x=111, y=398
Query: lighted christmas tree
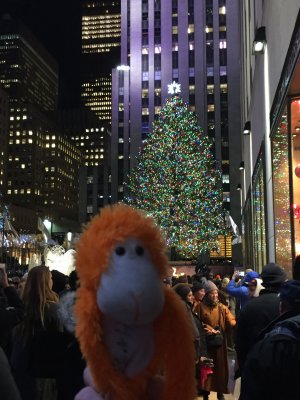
x=177, y=181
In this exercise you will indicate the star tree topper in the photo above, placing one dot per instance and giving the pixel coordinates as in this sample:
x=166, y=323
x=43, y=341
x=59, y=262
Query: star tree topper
x=174, y=88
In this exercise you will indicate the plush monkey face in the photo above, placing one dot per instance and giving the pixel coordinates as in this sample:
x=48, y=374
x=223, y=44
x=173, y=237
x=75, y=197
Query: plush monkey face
x=130, y=291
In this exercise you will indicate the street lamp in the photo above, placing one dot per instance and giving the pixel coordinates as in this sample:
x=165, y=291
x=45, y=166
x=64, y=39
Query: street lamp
x=247, y=128
x=260, y=41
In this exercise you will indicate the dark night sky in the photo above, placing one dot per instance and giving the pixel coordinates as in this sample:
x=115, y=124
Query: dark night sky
x=56, y=23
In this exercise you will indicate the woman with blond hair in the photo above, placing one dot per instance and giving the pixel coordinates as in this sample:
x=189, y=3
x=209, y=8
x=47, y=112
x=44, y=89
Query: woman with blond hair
x=36, y=338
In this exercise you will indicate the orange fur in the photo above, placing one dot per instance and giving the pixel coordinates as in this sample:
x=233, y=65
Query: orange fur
x=174, y=350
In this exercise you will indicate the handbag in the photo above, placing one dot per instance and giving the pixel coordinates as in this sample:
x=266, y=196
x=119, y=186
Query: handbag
x=215, y=340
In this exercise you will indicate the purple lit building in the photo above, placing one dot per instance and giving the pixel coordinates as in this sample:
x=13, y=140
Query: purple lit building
x=197, y=44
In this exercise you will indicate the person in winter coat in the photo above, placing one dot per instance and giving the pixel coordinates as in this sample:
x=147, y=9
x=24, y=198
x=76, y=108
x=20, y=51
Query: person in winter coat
x=216, y=317
x=8, y=387
x=240, y=290
x=11, y=311
x=185, y=292
x=36, y=345
x=271, y=370
x=259, y=312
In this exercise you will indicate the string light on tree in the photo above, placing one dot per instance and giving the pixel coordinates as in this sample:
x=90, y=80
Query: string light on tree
x=177, y=180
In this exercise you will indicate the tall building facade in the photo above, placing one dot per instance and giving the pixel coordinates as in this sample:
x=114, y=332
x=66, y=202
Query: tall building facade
x=91, y=137
x=3, y=138
x=27, y=71
x=100, y=47
x=195, y=44
x=40, y=163
x=270, y=130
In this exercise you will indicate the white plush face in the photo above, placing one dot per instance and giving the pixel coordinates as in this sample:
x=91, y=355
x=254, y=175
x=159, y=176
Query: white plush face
x=131, y=291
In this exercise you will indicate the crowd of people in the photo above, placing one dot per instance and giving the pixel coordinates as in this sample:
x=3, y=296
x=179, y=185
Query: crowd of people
x=255, y=315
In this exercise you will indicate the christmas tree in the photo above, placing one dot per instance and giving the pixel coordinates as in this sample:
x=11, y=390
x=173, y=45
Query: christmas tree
x=177, y=181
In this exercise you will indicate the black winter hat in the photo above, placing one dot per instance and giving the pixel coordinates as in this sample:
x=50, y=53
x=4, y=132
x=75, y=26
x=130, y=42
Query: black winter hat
x=273, y=275
x=182, y=289
x=197, y=286
x=290, y=292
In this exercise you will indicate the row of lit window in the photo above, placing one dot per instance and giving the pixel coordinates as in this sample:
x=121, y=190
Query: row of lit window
x=94, y=51
x=18, y=133
x=145, y=110
x=90, y=19
x=101, y=34
x=86, y=30
x=115, y=31
x=14, y=36
x=100, y=150
x=18, y=141
x=21, y=191
x=97, y=82
x=18, y=117
x=100, y=45
x=91, y=164
x=211, y=88
x=210, y=29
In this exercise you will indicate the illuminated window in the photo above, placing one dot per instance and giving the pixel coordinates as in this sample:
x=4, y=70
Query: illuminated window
x=191, y=28
x=226, y=197
x=225, y=178
x=210, y=107
x=222, y=10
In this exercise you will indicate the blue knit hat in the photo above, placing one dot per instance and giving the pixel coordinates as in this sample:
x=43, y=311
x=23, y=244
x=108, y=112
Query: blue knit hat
x=250, y=276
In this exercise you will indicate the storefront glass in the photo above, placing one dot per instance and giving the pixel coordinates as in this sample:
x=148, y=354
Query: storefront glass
x=281, y=190
x=247, y=241
x=260, y=250
x=295, y=152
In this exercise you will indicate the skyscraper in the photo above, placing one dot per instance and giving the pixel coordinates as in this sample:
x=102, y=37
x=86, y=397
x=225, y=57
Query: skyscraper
x=40, y=163
x=3, y=138
x=195, y=44
x=101, y=40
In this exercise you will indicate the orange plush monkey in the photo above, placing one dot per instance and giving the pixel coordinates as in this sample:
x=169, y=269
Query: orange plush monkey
x=133, y=331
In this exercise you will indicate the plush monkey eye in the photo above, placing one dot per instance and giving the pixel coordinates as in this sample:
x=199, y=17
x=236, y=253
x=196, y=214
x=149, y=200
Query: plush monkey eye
x=139, y=250
x=120, y=250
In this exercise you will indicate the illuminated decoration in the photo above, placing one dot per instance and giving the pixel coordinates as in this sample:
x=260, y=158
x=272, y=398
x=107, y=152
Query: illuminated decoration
x=281, y=185
x=296, y=208
x=57, y=258
x=295, y=131
x=297, y=171
x=177, y=181
x=174, y=88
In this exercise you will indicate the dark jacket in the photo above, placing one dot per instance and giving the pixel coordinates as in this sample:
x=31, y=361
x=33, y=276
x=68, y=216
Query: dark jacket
x=11, y=313
x=254, y=317
x=40, y=355
x=8, y=387
x=271, y=370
